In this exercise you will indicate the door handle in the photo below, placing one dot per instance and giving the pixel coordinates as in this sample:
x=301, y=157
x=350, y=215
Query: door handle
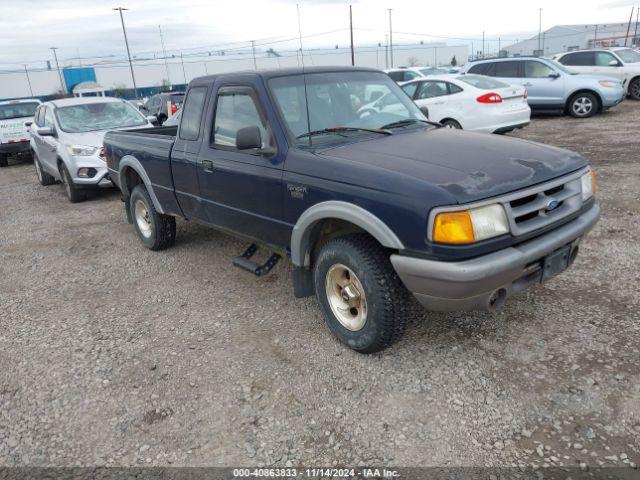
x=207, y=164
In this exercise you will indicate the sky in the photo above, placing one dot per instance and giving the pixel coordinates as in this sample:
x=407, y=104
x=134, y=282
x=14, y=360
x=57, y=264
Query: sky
x=90, y=28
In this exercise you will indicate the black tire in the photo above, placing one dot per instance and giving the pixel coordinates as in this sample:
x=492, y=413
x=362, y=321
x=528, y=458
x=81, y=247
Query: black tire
x=4, y=160
x=162, y=228
x=451, y=123
x=583, y=105
x=634, y=89
x=43, y=177
x=387, y=301
x=74, y=194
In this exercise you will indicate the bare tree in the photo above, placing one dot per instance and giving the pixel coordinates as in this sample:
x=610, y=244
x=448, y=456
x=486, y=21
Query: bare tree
x=413, y=61
x=454, y=61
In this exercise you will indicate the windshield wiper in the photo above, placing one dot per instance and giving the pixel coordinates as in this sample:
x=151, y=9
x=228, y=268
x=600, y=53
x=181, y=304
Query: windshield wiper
x=339, y=130
x=409, y=121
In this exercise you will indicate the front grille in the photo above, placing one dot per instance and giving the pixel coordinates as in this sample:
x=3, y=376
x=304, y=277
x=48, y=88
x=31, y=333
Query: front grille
x=539, y=206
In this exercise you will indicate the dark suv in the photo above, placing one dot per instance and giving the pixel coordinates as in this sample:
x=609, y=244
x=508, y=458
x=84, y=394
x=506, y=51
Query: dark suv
x=158, y=105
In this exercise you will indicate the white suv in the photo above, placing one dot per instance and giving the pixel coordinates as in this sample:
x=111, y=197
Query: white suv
x=621, y=63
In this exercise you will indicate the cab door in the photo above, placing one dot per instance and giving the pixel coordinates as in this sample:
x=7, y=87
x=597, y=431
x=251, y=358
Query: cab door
x=242, y=190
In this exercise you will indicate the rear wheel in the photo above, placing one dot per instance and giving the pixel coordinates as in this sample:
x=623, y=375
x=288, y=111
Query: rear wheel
x=583, y=105
x=74, y=194
x=43, y=177
x=4, y=161
x=157, y=231
x=362, y=298
x=451, y=123
x=634, y=89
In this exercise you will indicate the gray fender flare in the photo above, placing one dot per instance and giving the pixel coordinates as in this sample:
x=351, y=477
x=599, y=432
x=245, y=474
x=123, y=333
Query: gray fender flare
x=132, y=162
x=301, y=236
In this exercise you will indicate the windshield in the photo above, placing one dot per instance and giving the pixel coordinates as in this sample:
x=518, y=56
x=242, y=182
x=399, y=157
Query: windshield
x=628, y=55
x=17, y=110
x=360, y=100
x=177, y=98
x=98, y=116
x=481, y=82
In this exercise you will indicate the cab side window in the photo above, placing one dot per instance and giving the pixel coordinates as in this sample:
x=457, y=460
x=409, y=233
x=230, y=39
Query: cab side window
x=192, y=113
x=39, y=118
x=235, y=109
x=48, y=118
x=579, y=59
x=507, y=69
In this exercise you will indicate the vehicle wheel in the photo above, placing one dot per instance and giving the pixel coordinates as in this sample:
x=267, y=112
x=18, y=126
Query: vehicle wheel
x=634, y=89
x=74, y=194
x=451, y=123
x=43, y=177
x=362, y=298
x=157, y=231
x=583, y=105
x=4, y=160
x=161, y=119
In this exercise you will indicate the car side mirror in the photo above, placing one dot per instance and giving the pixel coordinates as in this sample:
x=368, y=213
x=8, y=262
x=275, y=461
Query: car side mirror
x=248, y=138
x=153, y=120
x=46, y=131
x=614, y=63
x=554, y=75
x=425, y=111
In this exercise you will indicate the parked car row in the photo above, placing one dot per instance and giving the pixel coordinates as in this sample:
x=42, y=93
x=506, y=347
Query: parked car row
x=339, y=170
x=14, y=132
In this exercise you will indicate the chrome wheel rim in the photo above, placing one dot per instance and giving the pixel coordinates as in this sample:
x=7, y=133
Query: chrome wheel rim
x=143, y=218
x=582, y=106
x=346, y=297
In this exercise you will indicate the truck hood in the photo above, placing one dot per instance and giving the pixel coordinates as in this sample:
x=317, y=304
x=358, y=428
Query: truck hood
x=469, y=166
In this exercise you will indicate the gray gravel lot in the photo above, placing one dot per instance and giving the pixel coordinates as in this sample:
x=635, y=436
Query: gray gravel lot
x=111, y=354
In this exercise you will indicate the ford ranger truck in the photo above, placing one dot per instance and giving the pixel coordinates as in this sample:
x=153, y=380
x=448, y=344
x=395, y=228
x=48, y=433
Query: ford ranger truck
x=15, y=118
x=371, y=207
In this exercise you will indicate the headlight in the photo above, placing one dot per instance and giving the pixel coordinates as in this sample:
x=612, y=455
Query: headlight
x=468, y=226
x=81, y=150
x=609, y=83
x=588, y=181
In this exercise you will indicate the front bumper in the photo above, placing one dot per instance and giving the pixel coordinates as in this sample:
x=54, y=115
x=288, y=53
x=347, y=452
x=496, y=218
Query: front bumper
x=99, y=179
x=483, y=283
x=612, y=96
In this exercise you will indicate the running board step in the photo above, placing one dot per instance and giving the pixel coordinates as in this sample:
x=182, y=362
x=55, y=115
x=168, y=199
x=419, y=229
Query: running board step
x=245, y=263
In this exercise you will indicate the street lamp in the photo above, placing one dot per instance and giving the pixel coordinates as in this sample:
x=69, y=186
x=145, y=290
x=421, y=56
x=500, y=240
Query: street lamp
x=126, y=42
x=55, y=56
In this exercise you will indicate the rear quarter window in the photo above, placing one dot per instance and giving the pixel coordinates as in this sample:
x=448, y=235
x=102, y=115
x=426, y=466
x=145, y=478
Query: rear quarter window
x=507, y=69
x=192, y=113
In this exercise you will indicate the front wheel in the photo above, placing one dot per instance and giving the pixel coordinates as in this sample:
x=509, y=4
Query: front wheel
x=583, y=105
x=363, y=300
x=4, y=160
x=74, y=193
x=43, y=177
x=634, y=89
x=451, y=123
x=157, y=231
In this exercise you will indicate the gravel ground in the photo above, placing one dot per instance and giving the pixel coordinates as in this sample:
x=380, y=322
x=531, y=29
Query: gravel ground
x=112, y=354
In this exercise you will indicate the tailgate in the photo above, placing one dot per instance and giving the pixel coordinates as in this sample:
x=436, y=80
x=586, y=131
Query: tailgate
x=14, y=130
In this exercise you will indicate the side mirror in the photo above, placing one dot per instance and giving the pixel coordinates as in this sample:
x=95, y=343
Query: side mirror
x=614, y=63
x=28, y=124
x=554, y=75
x=425, y=111
x=153, y=120
x=45, y=131
x=248, y=138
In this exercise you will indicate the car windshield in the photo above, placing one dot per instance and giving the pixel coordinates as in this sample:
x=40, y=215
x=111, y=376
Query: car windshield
x=17, y=110
x=628, y=55
x=360, y=101
x=98, y=116
x=177, y=98
x=481, y=82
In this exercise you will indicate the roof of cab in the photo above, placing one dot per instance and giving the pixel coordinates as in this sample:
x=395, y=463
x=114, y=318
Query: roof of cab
x=282, y=72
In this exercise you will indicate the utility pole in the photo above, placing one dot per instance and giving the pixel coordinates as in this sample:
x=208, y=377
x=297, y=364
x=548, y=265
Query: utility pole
x=26, y=72
x=628, y=27
x=183, y=70
x=635, y=33
x=390, y=39
x=544, y=36
x=55, y=56
x=595, y=37
x=499, y=46
x=483, y=56
x=539, y=27
x=386, y=51
x=353, y=56
x=164, y=54
x=253, y=50
x=126, y=42
x=472, y=54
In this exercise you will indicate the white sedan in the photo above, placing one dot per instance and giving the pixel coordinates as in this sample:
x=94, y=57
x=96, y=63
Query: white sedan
x=471, y=102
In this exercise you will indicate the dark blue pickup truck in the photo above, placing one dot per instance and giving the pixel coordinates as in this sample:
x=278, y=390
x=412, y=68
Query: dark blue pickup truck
x=370, y=205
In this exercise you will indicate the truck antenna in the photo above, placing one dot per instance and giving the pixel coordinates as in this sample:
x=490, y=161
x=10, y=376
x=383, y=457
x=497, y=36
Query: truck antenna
x=304, y=76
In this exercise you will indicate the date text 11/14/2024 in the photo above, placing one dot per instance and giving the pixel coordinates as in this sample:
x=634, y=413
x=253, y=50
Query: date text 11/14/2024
x=372, y=473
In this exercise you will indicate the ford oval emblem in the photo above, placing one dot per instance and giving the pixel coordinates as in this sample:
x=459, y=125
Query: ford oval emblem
x=552, y=204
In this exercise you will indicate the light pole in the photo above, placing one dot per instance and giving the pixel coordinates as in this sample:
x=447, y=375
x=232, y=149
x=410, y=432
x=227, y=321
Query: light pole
x=390, y=39
x=164, y=53
x=26, y=72
x=353, y=57
x=253, y=51
x=126, y=42
x=539, y=27
x=55, y=56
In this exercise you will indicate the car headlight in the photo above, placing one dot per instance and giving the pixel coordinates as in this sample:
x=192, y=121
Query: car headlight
x=609, y=83
x=469, y=226
x=588, y=182
x=81, y=150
